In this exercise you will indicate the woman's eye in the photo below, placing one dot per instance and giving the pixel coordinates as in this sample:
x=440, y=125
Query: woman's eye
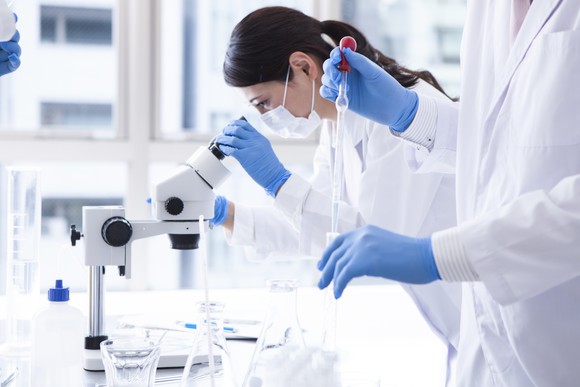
x=262, y=104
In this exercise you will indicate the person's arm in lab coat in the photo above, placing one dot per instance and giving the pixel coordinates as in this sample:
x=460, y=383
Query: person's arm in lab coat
x=432, y=135
x=307, y=204
x=298, y=223
x=529, y=245
x=420, y=115
x=263, y=231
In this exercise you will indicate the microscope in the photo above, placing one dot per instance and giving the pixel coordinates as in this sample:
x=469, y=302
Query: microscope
x=177, y=202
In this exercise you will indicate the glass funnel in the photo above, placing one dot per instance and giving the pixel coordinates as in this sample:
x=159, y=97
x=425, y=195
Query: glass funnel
x=209, y=343
x=281, y=335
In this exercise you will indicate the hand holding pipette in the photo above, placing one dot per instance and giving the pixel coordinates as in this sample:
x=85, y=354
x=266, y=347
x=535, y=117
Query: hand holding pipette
x=369, y=86
x=342, y=98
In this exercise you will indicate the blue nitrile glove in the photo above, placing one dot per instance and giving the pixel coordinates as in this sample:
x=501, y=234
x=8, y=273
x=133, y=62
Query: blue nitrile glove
x=10, y=55
x=220, y=211
x=375, y=252
x=372, y=92
x=254, y=152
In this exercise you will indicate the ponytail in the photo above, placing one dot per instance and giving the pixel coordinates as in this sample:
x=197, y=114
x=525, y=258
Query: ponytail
x=262, y=42
x=336, y=30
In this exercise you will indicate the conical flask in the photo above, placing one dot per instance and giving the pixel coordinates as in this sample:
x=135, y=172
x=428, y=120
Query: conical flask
x=199, y=370
x=281, y=336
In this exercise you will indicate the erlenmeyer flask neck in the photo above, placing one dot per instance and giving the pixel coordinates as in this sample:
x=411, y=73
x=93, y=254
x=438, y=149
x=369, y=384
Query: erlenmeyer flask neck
x=216, y=320
x=282, y=301
x=200, y=370
x=281, y=326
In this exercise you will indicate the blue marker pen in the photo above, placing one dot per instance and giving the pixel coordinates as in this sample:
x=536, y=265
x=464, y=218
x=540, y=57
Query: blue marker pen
x=194, y=326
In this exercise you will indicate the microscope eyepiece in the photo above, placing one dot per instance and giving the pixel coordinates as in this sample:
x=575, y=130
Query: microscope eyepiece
x=216, y=151
x=214, y=147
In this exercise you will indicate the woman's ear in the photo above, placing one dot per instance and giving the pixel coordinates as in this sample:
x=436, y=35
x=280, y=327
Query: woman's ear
x=302, y=63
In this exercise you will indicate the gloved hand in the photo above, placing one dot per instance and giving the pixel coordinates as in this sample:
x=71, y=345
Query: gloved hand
x=254, y=152
x=220, y=211
x=372, y=92
x=10, y=54
x=376, y=252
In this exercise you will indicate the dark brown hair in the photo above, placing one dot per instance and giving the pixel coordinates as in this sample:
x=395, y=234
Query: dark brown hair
x=262, y=42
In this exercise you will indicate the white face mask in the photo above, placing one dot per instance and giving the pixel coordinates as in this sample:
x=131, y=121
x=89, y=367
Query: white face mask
x=7, y=24
x=285, y=124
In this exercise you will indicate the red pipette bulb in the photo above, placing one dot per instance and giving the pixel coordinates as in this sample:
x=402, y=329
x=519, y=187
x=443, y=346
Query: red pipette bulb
x=346, y=42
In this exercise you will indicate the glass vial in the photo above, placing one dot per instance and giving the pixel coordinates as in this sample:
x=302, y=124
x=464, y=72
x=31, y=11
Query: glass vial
x=23, y=238
x=199, y=370
x=281, y=335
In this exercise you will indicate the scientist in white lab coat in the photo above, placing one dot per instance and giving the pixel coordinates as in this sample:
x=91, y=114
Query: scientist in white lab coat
x=9, y=37
x=516, y=151
x=275, y=58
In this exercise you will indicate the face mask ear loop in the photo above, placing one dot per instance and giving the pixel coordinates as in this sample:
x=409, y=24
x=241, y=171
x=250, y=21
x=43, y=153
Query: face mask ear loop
x=286, y=87
x=312, y=107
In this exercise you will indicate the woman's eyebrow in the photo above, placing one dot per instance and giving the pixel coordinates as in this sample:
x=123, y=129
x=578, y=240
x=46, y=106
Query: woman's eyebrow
x=255, y=98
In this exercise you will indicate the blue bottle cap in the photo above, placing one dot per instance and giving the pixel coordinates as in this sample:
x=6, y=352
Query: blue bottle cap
x=58, y=293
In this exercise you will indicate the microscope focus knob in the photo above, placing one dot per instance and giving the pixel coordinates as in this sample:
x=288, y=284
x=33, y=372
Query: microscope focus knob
x=174, y=205
x=117, y=231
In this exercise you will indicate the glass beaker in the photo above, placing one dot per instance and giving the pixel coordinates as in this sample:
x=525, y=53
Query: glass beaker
x=23, y=238
x=281, y=334
x=130, y=361
x=199, y=370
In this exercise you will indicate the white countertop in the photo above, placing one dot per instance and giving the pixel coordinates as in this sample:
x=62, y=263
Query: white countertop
x=379, y=330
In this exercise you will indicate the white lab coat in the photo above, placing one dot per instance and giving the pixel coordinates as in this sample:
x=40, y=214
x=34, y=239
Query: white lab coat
x=379, y=189
x=517, y=160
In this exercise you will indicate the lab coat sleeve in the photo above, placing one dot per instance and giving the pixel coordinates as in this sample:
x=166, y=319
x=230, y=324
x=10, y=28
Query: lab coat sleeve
x=432, y=136
x=309, y=211
x=308, y=204
x=265, y=232
x=519, y=250
x=297, y=224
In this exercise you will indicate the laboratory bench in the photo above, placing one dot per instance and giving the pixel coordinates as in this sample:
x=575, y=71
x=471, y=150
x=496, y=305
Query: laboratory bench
x=379, y=330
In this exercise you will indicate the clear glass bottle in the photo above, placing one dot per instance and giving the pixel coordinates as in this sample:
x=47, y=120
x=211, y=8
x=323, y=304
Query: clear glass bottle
x=280, y=338
x=23, y=239
x=199, y=370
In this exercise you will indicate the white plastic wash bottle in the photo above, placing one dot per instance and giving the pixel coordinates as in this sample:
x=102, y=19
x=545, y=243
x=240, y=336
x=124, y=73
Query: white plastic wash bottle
x=57, y=342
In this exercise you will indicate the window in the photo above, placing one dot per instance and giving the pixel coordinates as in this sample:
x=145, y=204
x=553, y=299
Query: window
x=194, y=38
x=76, y=25
x=68, y=77
x=76, y=114
x=419, y=34
x=449, y=40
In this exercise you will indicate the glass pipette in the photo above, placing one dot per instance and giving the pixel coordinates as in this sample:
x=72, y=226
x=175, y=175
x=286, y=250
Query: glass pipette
x=341, y=103
x=341, y=107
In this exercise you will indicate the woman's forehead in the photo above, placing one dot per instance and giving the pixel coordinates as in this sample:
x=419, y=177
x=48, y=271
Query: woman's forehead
x=259, y=90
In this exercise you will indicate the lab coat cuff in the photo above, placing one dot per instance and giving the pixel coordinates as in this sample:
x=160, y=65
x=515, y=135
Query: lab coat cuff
x=451, y=258
x=243, y=231
x=291, y=197
x=421, y=132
